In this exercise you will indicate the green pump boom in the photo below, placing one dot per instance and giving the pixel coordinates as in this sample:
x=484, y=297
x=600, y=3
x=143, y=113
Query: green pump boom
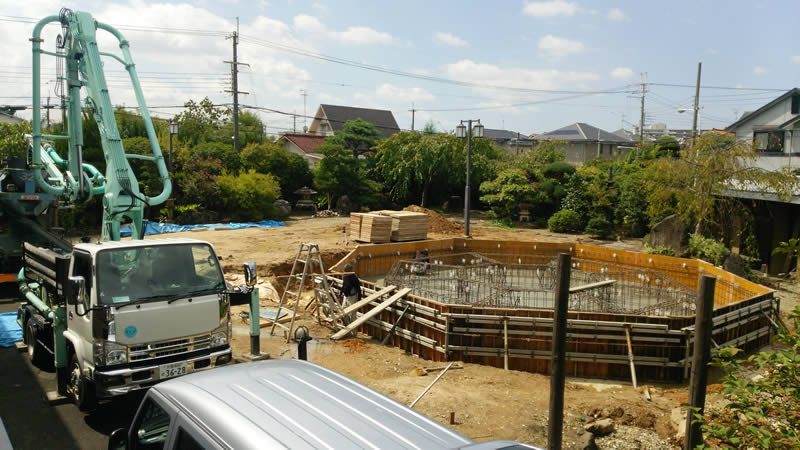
x=122, y=199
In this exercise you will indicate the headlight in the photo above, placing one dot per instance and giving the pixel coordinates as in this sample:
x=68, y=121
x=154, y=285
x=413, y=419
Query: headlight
x=107, y=353
x=219, y=339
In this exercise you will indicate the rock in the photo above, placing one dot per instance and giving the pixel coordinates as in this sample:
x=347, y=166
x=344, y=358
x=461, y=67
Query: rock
x=681, y=433
x=601, y=427
x=670, y=232
x=195, y=216
x=282, y=208
x=612, y=412
x=419, y=372
x=735, y=264
x=585, y=441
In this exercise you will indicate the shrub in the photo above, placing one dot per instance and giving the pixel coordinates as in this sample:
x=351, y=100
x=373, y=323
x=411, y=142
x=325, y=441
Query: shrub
x=198, y=181
x=661, y=250
x=600, y=227
x=707, y=249
x=559, y=170
x=564, y=221
x=250, y=196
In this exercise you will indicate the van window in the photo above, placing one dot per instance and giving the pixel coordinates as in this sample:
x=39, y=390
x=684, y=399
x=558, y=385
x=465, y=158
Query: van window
x=151, y=427
x=185, y=441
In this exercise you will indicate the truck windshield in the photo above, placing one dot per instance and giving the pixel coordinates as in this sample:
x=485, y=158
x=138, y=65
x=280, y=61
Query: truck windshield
x=157, y=272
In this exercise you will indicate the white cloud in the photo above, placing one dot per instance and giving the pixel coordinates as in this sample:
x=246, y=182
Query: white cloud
x=759, y=70
x=550, y=8
x=311, y=26
x=617, y=15
x=556, y=46
x=795, y=59
x=395, y=93
x=622, y=73
x=489, y=74
x=449, y=39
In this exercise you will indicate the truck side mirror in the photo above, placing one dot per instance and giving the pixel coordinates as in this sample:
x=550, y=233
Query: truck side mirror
x=77, y=288
x=250, y=275
x=118, y=439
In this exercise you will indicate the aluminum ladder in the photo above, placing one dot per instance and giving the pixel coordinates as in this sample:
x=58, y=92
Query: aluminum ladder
x=309, y=256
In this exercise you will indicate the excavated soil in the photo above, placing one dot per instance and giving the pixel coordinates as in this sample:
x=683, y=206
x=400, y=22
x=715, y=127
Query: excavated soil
x=488, y=403
x=437, y=223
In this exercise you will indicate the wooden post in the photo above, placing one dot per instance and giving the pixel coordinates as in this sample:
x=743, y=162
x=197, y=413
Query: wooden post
x=391, y=331
x=447, y=338
x=702, y=354
x=630, y=354
x=559, y=353
x=505, y=343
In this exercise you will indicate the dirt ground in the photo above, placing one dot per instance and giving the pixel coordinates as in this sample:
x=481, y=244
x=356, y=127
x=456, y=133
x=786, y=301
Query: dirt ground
x=487, y=402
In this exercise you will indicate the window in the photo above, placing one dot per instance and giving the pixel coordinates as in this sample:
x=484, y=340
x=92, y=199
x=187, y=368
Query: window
x=768, y=141
x=83, y=268
x=796, y=104
x=185, y=441
x=152, y=426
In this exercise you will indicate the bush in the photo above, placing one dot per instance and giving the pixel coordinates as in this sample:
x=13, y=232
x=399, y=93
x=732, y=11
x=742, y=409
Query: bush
x=600, y=227
x=250, y=196
x=662, y=250
x=707, y=249
x=559, y=170
x=564, y=221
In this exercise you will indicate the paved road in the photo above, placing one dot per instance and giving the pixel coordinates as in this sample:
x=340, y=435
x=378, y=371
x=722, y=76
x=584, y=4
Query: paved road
x=33, y=424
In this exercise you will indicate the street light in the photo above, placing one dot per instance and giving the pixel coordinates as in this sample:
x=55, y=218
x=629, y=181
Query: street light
x=461, y=132
x=173, y=130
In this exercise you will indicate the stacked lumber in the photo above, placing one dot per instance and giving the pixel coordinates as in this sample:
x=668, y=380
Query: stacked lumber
x=407, y=225
x=375, y=228
x=355, y=226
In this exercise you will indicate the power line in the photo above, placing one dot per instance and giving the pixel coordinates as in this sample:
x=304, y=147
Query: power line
x=736, y=88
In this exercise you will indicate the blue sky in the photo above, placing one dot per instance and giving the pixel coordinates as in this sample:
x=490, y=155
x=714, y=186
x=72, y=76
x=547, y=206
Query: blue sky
x=504, y=51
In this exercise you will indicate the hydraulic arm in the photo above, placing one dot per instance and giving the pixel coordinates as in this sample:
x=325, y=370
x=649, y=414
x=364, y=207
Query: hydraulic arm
x=122, y=199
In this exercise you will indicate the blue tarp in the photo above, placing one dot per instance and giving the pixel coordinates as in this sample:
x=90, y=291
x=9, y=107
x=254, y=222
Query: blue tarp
x=10, y=332
x=161, y=228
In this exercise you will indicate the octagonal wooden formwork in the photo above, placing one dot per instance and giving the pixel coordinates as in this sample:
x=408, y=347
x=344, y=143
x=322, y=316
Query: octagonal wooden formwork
x=520, y=339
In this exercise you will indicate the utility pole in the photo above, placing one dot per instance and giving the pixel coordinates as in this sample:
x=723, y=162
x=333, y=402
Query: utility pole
x=48, y=112
x=413, y=111
x=294, y=123
x=235, y=85
x=304, y=93
x=696, y=101
x=641, y=118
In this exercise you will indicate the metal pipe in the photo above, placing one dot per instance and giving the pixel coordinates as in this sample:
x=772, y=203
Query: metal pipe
x=29, y=295
x=430, y=385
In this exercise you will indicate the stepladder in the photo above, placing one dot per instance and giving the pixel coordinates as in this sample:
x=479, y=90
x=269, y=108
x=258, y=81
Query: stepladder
x=307, y=267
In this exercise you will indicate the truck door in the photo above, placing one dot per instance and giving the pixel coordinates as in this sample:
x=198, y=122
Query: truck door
x=79, y=320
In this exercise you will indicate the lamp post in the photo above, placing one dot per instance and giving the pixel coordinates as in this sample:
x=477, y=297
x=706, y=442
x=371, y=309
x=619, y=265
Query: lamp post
x=173, y=130
x=467, y=131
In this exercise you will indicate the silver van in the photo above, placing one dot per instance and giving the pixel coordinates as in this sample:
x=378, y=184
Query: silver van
x=280, y=404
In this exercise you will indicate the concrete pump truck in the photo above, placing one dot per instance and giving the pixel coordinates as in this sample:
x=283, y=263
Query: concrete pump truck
x=115, y=315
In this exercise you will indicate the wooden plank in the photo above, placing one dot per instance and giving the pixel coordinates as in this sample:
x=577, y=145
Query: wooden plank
x=588, y=287
x=356, y=306
x=371, y=313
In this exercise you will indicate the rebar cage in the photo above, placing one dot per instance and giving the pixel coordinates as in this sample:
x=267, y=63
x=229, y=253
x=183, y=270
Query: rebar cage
x=528, y=281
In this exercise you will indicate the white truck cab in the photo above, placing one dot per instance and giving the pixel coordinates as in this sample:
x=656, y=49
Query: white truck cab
x=137, y=312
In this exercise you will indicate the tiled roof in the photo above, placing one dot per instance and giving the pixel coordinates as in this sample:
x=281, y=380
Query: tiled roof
x=583, y=132
x=308, y=143
x=383, y=120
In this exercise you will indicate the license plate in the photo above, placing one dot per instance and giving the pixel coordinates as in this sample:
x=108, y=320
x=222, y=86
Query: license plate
x=173, y=370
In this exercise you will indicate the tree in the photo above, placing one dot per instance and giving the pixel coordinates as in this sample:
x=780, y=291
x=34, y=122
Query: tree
x=705, y=174
x=198, y=181
x=201, y=122
x=358, y=136
x=407, y=160
x=337, y=173
x=224, y=152
x=146, y=171
x=290, y=169
x=505, y=193
x=251, y=130
x=12, y=139
x=667, y=146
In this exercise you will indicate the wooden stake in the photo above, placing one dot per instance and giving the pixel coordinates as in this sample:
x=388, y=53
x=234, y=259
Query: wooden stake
x=505, y=343
x=702, y=354
x=556, y=419
x=630, y=355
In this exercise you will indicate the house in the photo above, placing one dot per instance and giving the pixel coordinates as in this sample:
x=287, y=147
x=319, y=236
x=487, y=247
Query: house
x=7, y=115
x=774, y=132
x=304, y=145
x=584, y=142
x=513, y=142
x=330, y=118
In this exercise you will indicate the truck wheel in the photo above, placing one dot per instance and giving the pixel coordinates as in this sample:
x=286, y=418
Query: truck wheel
x=35, y=349
x=79, y=388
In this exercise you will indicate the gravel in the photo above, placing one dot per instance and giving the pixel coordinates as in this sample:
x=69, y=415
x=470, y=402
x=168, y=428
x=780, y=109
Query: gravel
x=627, y=437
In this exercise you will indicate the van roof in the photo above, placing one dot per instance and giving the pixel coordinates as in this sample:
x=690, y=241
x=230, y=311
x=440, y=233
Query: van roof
x=298, y=404
x=93, y=248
